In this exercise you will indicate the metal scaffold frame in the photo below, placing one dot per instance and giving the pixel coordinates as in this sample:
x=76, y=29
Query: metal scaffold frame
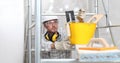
x=37, y=25
x=37, y=30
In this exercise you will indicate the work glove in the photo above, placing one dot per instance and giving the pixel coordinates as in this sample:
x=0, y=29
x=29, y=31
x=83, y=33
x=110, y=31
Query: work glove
x=63, y=45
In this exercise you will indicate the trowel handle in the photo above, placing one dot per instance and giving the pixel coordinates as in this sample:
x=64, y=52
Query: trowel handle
x=99, y=40
x=69, y=17
x=97, y=18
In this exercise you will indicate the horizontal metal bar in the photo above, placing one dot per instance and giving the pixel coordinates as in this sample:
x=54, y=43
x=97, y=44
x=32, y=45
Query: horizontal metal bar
x=31, y=26
x=61, y=14
x=58, y=60
x=32, y=50
x=108, y=26
x=72, y=61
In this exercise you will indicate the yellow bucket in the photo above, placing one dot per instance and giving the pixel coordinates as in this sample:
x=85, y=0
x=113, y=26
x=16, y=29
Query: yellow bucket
x=81, y=33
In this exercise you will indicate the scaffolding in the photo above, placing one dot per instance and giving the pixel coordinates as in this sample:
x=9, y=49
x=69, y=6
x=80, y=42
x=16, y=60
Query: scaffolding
x=33, y=33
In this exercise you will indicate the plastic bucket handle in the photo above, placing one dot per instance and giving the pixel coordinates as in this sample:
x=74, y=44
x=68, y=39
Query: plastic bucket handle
x=97, y=17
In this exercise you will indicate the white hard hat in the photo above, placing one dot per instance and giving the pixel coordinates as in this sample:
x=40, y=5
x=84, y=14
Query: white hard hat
x=46, y=18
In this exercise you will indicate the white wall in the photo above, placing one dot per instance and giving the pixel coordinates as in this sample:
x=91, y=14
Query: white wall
x=11, y=31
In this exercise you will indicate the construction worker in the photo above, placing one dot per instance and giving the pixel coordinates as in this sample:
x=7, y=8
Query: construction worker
x=52, y=36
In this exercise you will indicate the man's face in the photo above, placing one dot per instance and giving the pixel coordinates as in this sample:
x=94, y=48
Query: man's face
x=51, y=25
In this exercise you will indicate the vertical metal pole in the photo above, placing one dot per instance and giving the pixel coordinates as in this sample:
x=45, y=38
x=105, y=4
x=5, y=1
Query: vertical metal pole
x=29, y=23
x=37, y=30
x=108, y=24
x=96, y=11
x=26, y=48
x=96, y=6
x=108, y=21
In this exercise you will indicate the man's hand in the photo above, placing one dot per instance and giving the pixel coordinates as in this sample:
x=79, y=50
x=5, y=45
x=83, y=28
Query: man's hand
x=52, y=46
